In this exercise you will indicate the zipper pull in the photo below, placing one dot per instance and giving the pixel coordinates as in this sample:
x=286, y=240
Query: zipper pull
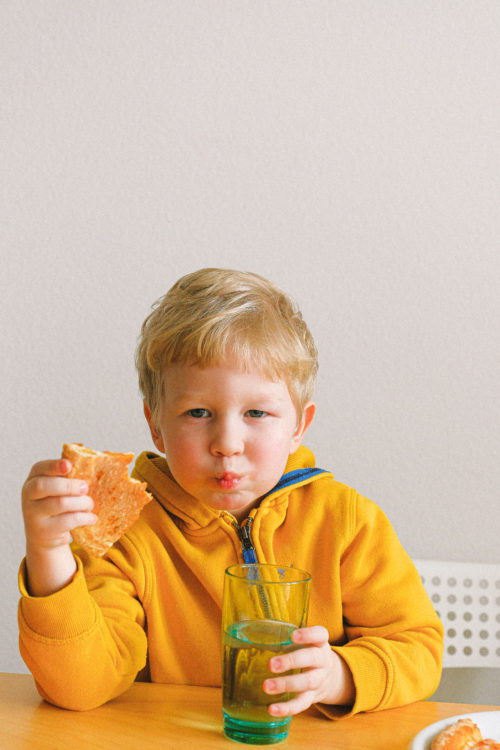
x=245, y=535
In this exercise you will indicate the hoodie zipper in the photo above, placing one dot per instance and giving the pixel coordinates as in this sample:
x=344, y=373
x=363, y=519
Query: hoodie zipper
x=245, y=535
x=249, y=556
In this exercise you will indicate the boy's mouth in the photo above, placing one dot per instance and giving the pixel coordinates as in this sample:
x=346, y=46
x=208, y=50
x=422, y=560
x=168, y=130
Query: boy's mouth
x=228, y=480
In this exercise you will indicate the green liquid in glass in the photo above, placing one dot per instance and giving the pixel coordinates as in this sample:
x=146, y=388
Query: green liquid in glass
x=248, y=646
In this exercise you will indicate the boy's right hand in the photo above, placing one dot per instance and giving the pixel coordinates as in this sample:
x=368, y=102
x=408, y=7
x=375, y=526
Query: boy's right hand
x=53, y=505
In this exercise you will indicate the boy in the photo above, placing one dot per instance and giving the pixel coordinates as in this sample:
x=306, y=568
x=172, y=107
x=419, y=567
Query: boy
x=226, y=367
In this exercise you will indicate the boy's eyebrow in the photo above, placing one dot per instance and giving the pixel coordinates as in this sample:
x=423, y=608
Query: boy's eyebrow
x=262, y=398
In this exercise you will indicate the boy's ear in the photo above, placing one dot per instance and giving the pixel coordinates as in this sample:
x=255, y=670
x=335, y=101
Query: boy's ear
x=155, y=434
x=308, y=413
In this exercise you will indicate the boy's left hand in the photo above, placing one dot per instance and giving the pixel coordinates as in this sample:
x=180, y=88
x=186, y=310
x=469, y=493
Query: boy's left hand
x=325, y=677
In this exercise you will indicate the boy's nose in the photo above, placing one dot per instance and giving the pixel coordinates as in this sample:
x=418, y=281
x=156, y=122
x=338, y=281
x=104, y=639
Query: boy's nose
x=226, y=440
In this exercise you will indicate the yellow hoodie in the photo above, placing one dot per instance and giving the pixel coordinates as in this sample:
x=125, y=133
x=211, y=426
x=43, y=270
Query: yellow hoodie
x=153, y=601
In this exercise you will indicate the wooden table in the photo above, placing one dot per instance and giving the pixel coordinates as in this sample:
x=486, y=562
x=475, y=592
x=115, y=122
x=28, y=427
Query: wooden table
x=184, y=717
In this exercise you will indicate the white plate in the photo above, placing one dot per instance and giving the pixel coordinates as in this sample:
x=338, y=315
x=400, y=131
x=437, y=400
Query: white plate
x=487, y=721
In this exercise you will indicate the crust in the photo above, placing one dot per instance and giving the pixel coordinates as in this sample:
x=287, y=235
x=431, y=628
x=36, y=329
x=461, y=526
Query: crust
x=462, y=735
x=118, y=499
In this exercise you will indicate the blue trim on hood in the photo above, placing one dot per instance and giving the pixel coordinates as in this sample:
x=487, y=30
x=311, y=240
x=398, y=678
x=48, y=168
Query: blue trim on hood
x=294, y=477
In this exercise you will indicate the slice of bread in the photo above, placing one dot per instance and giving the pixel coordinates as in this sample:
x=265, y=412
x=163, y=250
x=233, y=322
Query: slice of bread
x=118, y=499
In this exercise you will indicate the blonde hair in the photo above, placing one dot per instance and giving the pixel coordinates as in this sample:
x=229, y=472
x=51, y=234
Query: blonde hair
x=213, y=314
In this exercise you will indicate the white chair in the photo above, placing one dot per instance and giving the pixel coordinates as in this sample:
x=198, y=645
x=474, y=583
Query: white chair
x=466, y=597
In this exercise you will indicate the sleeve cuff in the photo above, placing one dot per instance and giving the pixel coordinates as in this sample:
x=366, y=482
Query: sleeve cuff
x=371, y=674
x=66, y=613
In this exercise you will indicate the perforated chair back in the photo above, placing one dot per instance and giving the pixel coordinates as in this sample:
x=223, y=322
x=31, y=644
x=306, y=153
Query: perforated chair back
x=466, y=597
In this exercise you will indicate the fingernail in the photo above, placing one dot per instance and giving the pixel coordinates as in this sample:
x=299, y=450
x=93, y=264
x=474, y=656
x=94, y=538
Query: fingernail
x=83, y=488
x=270, y=684
x=276, y=665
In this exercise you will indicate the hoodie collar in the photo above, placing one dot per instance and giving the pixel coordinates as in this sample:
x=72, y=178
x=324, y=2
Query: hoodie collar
x=154, y=469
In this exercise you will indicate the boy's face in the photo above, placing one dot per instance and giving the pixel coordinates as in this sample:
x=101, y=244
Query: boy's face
x=226, y=433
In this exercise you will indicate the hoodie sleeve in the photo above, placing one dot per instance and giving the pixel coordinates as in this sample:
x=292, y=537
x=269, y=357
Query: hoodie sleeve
x=86, y=643
x=394, y=637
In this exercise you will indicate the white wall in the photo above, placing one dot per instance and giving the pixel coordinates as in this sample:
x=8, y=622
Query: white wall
x=347, y=150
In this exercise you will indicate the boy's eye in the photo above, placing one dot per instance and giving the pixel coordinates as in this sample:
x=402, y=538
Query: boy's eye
x=256, y=413
x=198, y=413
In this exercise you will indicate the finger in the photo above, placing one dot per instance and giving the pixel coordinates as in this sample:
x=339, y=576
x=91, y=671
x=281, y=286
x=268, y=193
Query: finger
x=44, y=513
x=69, y=521
x=293, y=706
x=57, y=506
x=39, y=487
x=49, y=531
x=294, y=683
x=316, y=635
x=51, y=467
x=301, y=658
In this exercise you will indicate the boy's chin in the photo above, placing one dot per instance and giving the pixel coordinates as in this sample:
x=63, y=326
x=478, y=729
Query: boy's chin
x=238, y=509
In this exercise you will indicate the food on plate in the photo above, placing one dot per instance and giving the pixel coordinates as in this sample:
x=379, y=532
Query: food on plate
x=118, y=499
x=462, y=735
